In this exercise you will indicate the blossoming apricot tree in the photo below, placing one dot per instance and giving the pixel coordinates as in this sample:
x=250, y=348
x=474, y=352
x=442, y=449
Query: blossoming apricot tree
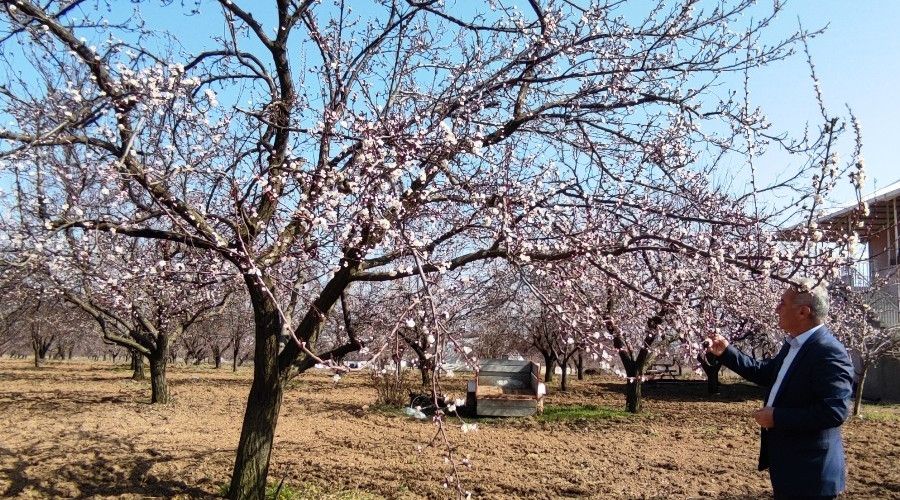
x=314, y=147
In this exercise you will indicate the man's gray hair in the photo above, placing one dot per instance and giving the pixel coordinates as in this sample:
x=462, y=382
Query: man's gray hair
x=814, y=294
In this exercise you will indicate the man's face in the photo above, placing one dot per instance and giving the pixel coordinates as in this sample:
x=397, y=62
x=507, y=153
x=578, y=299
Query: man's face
x=792, y=317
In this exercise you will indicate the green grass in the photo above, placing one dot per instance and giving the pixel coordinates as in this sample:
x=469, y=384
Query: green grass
x=386, y=409
x=553, y=413
x=894, y=407
x=308, y=491
x=881, y=412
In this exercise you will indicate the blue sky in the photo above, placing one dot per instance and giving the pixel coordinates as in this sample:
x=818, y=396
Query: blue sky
x=856, y=61
x=857, y=64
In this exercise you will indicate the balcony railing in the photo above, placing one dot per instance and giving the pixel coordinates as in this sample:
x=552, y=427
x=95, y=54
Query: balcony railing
x=886, y=304
x=857, y=276
x=885, y=300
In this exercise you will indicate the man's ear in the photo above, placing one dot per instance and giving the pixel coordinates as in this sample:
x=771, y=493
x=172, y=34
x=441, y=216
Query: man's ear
x=806, y=311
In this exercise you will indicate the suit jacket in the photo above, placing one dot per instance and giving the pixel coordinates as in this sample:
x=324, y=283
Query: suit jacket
x=803, y=451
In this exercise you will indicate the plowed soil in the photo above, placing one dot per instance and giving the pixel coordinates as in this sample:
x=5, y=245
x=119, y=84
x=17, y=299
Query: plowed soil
x=78, y=429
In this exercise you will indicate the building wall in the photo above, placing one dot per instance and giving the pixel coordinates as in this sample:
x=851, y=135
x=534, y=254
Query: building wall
x=883, y=380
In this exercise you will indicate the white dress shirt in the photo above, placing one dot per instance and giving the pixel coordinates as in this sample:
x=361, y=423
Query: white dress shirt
x=796, y=343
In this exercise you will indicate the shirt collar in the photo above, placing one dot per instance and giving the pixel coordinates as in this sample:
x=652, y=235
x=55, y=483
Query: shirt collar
x=798, y=341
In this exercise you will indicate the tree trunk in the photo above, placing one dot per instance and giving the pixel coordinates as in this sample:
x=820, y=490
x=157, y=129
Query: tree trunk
x=633, y=394
x=861, y=383
x=251, y=466
x=234, y=358
x=563, y=380
x=711, y=367
x=579, y=364
x=217, y=358
x=427, y=369
x=548, y=369
x=159, y=358
x=634, y=371
x=159, y=388
x=41, y=347
x=137, y=365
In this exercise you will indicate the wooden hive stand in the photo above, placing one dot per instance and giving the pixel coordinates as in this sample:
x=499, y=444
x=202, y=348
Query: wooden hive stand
x=662, y=372
x=507, y=388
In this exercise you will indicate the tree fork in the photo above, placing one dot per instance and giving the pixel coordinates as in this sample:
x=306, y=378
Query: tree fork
x=271, y=370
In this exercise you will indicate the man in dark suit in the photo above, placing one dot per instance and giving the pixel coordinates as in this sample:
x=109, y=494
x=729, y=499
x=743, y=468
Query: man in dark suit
x=809, y=384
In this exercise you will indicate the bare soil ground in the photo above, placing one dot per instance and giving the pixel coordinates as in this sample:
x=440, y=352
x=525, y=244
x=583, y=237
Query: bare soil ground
x=86, y=430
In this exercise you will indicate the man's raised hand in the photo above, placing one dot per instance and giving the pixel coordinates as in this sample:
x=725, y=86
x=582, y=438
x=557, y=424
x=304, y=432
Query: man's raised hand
x=715, y=344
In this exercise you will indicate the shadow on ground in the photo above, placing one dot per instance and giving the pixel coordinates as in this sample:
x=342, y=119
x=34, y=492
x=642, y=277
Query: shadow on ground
x=690, y=391
x=108, y=467
x=684, y=391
